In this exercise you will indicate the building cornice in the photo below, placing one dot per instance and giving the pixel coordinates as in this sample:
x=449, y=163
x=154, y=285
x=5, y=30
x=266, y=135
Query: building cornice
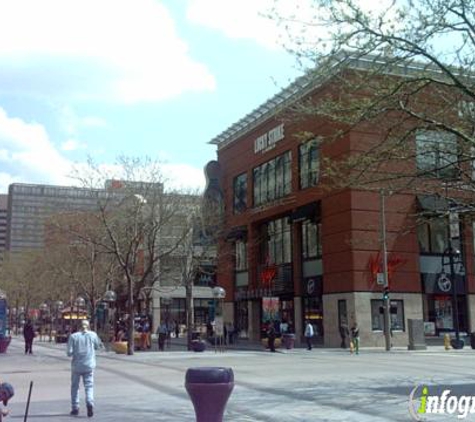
x=312, y=80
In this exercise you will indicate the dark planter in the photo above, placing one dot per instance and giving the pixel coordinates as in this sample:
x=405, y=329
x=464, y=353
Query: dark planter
x=288, y=340
x=198, y=346
x=4, y=343
x=457, y=344
x=209, y=389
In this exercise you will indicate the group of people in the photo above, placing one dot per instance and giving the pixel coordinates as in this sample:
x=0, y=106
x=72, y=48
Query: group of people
x=352, y=335
x=230, y=332
x=164, y=331
x=276, y=329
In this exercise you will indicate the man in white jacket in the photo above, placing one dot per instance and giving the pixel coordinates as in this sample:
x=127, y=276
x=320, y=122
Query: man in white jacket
x=308, y=334
x=82, y=347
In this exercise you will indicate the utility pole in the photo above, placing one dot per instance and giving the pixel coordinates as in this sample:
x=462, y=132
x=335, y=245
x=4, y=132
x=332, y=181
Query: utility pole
x=386, y=302
x=454, y=233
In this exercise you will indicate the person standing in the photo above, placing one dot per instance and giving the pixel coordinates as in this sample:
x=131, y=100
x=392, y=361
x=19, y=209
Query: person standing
x=6, y=393
x=308, y=334
x=82, y=347
x=162, y=332
x=28, y=335
x=271, y=337
x=284, y=327
x=355, y=337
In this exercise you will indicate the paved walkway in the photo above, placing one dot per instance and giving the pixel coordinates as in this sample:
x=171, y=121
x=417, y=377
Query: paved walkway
x=290, y=385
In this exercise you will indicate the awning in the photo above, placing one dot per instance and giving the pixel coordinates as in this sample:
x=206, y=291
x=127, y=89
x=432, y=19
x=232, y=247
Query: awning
x=306, y=212
x=237, y=233
x=433, y=204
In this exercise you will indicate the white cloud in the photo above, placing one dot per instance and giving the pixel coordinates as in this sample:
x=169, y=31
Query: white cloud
x=182, y=176
x=28, y=155
x=237, y=19
x=125, y=51
x=273, y=24
x=72, y=145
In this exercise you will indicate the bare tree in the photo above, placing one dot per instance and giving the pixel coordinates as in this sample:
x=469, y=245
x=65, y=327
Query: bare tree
x=393, y=72
x=134, y=212
x=75, y=256
x=26, y=279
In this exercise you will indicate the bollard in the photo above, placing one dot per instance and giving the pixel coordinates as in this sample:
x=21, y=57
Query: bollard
x=447, y=342
x=209, y=389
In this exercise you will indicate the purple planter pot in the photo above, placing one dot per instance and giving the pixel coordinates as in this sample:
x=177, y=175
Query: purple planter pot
x=4, y=343
x=209, y=389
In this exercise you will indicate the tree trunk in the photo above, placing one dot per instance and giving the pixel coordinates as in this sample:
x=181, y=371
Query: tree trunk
x=189, y=312
x=131, y=330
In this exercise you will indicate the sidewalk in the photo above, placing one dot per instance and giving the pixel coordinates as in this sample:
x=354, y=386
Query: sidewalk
x=180, y=345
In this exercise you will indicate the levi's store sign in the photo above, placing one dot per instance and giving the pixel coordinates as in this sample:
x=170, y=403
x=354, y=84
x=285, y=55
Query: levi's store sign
x=267, y=141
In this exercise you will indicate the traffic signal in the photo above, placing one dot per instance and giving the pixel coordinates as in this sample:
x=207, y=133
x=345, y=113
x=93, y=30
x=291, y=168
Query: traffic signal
x=386, y=293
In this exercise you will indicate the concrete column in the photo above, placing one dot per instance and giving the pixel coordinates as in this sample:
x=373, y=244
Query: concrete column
x=228, y=312
x=298, y=316
x=471, y=312
x=254, y=320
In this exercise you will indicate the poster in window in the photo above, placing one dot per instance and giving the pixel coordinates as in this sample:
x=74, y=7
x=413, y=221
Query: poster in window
x=443, y=313
x=270, y=309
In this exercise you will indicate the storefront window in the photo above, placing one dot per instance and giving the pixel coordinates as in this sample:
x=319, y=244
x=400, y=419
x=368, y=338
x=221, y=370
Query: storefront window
x=273, y=179
x=313, y=312
x=240, y=193
x=241, y=255
x=308, y=164
x=342, y=312
x=242, y=319
x=201, y=311
x=396, y=315
x=438, y=309
x=311, y=240
x=278, y=248
x=176, y=311
x=433, y=236
x=437, y=154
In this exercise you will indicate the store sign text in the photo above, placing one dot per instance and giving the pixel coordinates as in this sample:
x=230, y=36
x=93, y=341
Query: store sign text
x=267, y=141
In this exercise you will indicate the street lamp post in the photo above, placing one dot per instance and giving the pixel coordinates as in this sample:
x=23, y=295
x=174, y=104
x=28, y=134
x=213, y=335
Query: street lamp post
x=43, y=310
x=80, y=303
x=58, y=306
x=20, y=317
x=454, y=257
x=110, y=298
x=166, y=302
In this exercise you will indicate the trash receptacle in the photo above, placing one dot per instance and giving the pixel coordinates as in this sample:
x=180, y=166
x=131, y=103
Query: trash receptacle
x=472, y=340
x=209, y=389
x=198, y=345
x=288, y=340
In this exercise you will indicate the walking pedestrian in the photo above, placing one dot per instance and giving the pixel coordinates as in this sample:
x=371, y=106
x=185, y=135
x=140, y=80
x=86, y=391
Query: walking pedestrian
x=271, y=337
x=162, y=332
x=355, y=338
x=28, y=335
x=309, y=332
x=82, y=346
x=177, y=330
x=6, y=393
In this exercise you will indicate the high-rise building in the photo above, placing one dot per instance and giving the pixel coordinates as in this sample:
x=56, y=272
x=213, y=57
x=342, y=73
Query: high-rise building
x=3, y=224
x=30, y=205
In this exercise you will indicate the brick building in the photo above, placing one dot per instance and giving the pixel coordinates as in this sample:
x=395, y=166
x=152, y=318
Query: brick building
x=295, y=250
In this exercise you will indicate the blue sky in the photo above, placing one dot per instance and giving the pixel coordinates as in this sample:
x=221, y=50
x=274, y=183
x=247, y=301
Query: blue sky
x=135, y=77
